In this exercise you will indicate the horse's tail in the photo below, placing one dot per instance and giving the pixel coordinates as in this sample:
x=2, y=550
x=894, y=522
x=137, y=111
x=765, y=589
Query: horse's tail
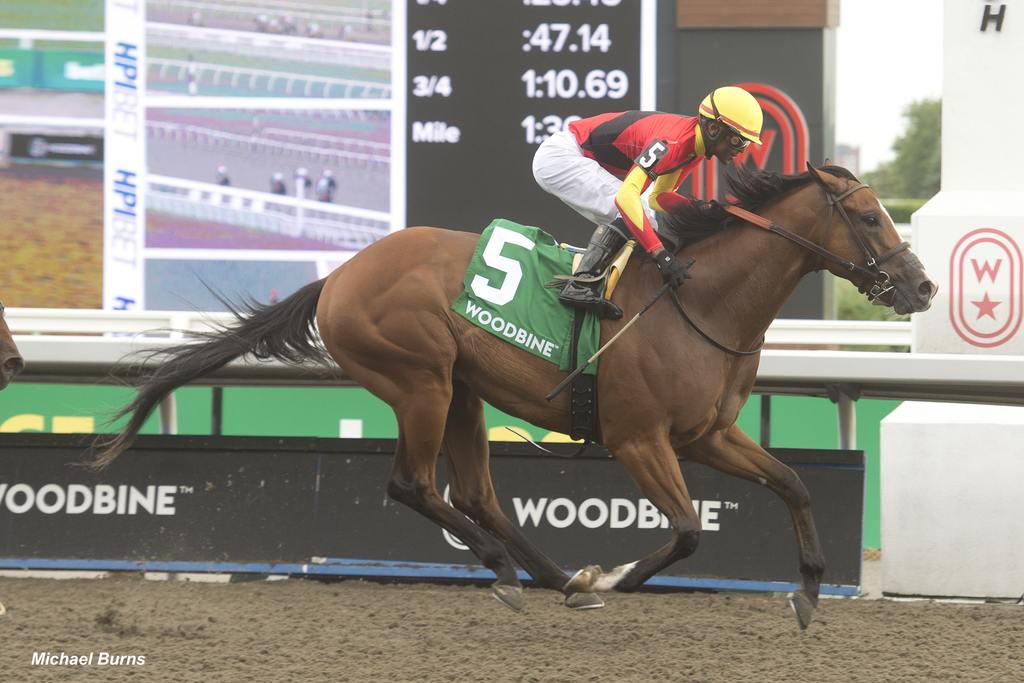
x=284, y=330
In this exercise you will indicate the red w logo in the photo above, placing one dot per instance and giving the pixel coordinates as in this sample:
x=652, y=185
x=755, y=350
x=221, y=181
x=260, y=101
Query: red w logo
x=986, y=314
x=986, y=269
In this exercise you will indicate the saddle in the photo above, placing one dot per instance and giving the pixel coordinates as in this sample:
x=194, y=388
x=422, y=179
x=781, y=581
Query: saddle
x=515, y=298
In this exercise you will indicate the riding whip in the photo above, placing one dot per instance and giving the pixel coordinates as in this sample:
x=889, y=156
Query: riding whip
x=565, y=382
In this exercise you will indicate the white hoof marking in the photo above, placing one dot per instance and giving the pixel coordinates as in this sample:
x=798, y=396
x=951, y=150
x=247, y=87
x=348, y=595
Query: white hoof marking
x=610, y=580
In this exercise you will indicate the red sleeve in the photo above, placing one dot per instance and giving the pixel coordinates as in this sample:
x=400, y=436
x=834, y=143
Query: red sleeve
x=672, y=202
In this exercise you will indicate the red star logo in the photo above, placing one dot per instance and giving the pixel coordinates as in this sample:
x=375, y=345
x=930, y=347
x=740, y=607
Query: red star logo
x=986, y=307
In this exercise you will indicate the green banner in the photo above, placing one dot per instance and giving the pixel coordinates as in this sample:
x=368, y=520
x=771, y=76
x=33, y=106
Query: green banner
x=505, y=294
x=17, y=68
x=56, y=69
x=78, y=70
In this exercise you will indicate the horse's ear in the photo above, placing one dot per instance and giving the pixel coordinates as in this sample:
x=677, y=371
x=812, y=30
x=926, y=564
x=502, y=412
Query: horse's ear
x=821, y=178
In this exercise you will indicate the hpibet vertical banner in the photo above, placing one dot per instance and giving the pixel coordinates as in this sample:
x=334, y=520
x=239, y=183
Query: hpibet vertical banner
x=124, y=215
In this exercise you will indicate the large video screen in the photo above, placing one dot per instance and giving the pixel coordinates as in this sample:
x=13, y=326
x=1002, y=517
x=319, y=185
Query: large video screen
x=154, y=152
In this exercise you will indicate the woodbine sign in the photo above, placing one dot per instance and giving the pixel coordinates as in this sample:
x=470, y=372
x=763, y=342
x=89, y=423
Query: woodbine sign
x=319, y=506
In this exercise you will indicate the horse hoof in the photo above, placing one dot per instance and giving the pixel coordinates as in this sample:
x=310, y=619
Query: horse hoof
x=510, y=596
x=583, y=580
x=584, y=601
x=802, y=607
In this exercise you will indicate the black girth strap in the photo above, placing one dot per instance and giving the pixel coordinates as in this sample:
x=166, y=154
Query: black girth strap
x=582, y=391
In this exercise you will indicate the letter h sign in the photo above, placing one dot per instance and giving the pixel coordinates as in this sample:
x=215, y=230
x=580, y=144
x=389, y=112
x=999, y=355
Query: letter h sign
x=994, y=15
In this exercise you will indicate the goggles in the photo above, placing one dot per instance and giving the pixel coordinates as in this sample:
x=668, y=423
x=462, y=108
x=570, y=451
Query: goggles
x=737, y=141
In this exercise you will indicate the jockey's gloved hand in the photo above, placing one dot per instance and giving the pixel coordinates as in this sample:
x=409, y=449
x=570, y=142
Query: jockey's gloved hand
x=673, y=271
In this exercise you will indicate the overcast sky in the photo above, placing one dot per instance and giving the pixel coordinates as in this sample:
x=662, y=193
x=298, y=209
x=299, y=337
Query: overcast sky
x=888, y=54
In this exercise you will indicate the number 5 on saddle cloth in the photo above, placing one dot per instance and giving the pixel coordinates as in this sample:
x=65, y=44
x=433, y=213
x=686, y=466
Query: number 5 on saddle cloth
x=505, y=294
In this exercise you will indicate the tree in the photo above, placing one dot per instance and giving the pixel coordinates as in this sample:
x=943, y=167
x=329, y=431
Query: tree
x=916, y=169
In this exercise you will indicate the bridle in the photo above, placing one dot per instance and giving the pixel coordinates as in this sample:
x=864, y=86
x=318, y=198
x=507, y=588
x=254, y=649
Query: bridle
x=879, y=282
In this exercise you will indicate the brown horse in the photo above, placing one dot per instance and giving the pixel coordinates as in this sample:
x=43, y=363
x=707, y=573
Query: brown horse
x=668, y=390
x=11, y=362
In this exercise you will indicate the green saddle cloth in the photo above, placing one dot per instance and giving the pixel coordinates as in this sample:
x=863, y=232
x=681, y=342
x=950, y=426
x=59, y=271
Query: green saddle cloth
x=504, y=293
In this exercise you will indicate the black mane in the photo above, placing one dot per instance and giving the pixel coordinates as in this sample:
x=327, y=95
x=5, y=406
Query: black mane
x=752, y=189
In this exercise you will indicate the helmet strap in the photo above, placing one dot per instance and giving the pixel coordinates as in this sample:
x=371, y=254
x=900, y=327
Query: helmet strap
x=708, y=137
x=717, y=119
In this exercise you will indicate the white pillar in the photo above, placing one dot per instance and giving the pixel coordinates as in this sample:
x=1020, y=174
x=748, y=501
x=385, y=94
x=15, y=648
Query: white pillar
x=971, y=235
x=952, y=511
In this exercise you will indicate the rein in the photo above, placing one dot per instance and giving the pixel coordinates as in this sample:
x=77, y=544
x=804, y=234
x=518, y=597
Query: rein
x=880, y=280
x=881, y=283
x=707, y=337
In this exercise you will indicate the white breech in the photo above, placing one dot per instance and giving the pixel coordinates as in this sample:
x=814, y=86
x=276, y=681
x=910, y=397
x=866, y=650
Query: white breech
x=561, y=169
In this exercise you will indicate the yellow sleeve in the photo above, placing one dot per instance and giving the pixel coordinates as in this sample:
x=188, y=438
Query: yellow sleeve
x=664, y=183
x=632, y=209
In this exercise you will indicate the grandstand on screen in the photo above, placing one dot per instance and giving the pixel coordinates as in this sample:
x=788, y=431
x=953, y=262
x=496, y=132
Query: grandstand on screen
x=363, y=20
x=215, y=62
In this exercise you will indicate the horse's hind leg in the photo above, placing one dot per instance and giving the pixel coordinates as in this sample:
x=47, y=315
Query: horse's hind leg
x=467, y=455
x=421, y=421
x=733, y=452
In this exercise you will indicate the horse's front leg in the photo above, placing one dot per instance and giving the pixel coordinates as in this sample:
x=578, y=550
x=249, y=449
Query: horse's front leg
x=653, y=465
x=733, y=452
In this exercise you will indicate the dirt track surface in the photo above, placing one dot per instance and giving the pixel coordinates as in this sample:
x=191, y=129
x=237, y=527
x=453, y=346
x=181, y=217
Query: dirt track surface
x=300, y=630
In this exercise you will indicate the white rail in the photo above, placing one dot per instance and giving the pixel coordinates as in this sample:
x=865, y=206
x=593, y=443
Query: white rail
x=28, y=36
x=86, y=346
x=343, y=227
x=235, y=75
x=307, y=11
x=238, y=196
x=82, y=321
x=338, y=150
x=817, y=333
x=347, y=144
x=30, y=123
x=298, y=48
x=46, y=321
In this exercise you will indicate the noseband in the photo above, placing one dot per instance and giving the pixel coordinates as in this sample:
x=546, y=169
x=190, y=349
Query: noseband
x=879, y=282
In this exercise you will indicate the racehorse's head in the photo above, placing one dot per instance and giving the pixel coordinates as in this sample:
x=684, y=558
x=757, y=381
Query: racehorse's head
x=11, y=362
x=861, y=232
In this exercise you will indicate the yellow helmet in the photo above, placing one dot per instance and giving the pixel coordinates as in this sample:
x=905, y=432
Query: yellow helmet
x=736, y=108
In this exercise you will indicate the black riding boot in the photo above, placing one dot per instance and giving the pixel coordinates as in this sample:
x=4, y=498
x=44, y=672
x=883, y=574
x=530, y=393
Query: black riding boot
x=604, y=244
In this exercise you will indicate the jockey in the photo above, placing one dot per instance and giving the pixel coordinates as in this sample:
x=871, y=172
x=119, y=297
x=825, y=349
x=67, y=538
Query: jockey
x=601, y=166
